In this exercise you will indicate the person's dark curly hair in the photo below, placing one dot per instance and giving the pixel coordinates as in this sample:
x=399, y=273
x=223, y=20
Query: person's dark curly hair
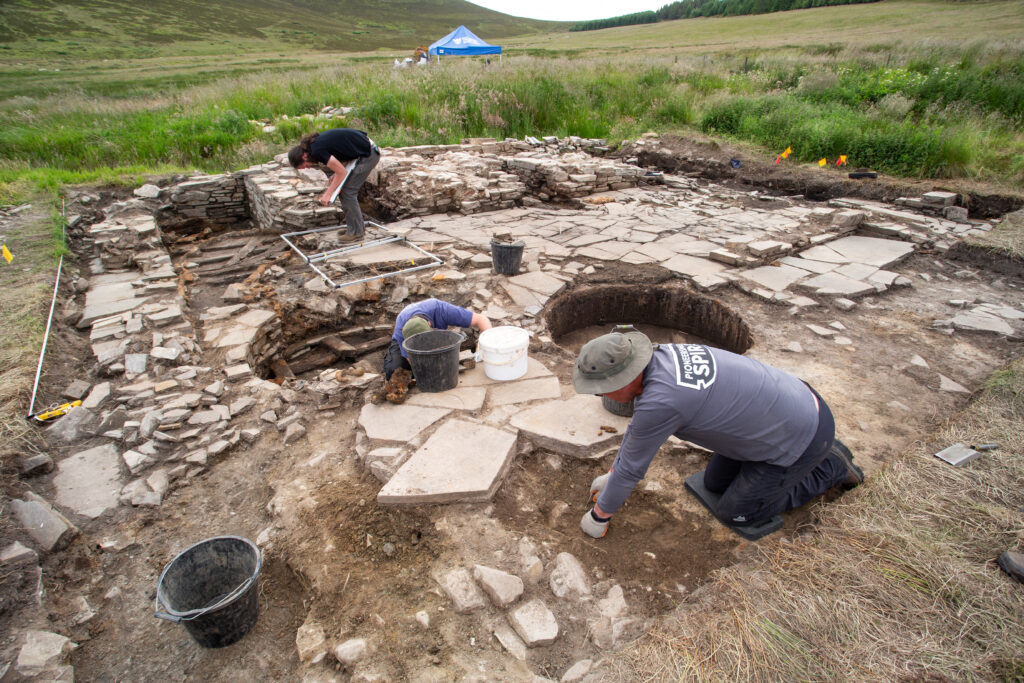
x=297, y=153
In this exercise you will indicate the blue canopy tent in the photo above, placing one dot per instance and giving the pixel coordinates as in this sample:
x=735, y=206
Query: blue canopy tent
x=462, y=41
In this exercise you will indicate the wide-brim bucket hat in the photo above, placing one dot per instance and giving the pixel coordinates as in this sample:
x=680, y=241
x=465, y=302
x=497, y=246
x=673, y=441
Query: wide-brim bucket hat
x=611, y=361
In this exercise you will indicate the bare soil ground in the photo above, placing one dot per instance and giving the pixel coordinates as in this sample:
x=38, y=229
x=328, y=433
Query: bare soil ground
x=337, y=558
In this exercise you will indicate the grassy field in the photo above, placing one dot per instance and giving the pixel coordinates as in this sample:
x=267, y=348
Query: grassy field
x=908, y=103
x=36, y=241
x=73, y=30
x=895, y=24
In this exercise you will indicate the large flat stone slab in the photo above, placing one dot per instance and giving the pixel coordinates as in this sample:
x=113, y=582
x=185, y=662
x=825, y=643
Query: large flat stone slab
x=537, y=281
x=477, y=377
x=460, y=398
x=506, y=393
x=692, y=266
x=88, y=482
x=534, y=623
x=833, y=284
x=385, y=253
x=978, y=321
x=775, y=278
x=571, y=427
x=388, y=422
x=93, y=312
x=461, y=462
x=872, y=251
x=808, y=264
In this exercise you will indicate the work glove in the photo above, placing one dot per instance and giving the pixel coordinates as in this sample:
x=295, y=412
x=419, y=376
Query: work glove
x=592, y=526
x=598, y=485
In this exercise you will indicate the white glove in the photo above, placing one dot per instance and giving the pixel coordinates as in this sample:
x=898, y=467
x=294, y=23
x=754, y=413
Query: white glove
x=597, y=486
x=591, y=526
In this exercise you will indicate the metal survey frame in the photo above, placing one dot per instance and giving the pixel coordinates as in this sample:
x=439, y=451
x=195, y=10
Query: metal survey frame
x=324, y=255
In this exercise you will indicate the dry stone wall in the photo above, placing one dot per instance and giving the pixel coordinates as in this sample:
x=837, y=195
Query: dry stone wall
x=282, y=199
x=206, y=201
x=480, y=175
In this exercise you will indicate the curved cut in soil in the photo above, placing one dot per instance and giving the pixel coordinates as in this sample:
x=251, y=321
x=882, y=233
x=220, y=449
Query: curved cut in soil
x=667, y=306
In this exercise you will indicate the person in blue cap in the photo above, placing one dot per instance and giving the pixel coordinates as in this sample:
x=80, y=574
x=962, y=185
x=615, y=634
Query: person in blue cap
x=772, y=436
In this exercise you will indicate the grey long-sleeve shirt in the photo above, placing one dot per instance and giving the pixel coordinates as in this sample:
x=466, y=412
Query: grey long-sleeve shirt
x=730, y=404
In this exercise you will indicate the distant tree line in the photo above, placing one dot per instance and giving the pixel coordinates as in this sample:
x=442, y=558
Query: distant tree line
x=689, y=9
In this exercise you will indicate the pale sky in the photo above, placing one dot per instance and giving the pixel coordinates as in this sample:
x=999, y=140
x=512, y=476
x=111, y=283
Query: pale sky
x=569, y=10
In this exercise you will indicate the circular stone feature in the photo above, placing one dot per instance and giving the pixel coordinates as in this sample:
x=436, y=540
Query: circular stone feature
x=662, y=311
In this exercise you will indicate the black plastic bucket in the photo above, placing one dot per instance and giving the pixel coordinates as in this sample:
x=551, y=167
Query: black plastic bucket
x=618, y=407
x=211, y=588
x=507, y=256
x=434, y=357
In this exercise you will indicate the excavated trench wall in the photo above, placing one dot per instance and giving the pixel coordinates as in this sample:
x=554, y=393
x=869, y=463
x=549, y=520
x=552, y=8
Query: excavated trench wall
x=671, y=306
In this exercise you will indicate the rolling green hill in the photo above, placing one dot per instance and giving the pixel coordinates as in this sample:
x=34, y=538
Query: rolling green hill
x=123, y=28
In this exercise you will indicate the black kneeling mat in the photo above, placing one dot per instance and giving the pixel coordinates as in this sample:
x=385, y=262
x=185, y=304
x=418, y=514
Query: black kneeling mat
x=751, y=532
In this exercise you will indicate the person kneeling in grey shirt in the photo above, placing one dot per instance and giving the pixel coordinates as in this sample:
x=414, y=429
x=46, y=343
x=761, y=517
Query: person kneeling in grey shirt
x=771, y=434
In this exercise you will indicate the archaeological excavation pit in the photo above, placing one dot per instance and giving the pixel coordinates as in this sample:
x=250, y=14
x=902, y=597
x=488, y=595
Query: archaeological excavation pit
x=238, y=384
x=667, y=313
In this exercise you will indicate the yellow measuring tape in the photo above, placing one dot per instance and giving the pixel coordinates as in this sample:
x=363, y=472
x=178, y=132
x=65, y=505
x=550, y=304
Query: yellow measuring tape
x=55, y=412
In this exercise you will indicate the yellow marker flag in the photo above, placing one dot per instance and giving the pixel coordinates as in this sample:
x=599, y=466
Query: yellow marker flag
x=822, y=161
x=785, y=155
x=842, y=160
x=7, y=254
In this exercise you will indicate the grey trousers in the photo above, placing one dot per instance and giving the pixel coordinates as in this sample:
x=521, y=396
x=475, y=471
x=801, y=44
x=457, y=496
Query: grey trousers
x=350, y=192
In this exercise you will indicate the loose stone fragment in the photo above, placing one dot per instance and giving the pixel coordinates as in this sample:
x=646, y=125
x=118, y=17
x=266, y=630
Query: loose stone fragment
x=461, y=590
x=534, y=623
x=503, y=588
x=569, y=577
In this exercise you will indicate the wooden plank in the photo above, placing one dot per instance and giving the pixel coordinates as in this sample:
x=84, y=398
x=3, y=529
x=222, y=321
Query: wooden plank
x=338, y=346
x=281, y=369
x=314, y=360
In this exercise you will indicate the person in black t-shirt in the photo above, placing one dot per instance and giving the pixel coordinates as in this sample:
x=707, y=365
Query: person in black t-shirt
x=334, y=149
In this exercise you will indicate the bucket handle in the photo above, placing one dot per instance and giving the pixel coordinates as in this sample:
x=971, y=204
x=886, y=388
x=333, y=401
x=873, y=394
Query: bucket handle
x=462, y=338
x=196, y=613
x=510, y=361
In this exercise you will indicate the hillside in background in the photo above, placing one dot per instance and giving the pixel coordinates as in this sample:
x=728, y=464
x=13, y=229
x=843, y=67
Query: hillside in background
x=124, y=28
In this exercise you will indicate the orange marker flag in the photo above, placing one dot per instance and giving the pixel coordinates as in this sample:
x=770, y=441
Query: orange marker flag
x=822, y=161
x=841, y=161
x=778, y=158
x=8, y=256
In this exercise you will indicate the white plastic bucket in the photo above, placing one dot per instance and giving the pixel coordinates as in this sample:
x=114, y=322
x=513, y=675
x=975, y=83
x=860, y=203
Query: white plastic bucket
x=504, y=352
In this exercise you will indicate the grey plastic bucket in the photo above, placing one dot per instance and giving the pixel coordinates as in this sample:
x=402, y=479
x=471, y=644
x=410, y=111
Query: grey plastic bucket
x=211, y=589
x=434, y=357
